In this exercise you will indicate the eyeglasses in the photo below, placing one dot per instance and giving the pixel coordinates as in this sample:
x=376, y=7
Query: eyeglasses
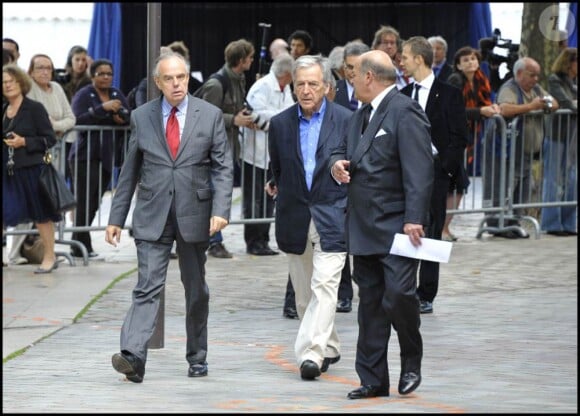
x=168, y=78
x=104, y=74
x=9, y=82
x=43, y=68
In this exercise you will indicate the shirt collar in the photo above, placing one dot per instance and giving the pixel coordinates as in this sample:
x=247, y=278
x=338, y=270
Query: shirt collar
x=319, y=112
x=181, y=107
x=427, y=83
x=377, y=100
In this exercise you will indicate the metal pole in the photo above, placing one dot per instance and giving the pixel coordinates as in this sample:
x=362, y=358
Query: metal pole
x=153, y=47
x=264, y=48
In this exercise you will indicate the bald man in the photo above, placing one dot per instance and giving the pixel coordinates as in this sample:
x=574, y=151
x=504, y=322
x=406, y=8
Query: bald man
x=278, y=47
x=389, y=170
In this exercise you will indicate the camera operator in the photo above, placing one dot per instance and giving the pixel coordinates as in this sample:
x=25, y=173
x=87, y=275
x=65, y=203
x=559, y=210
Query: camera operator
x=95, y=154
x=487, y=46
x=519, y=96
x=267, y=97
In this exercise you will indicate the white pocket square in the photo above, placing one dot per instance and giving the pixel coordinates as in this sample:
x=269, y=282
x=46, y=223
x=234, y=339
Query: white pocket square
x=380, y=133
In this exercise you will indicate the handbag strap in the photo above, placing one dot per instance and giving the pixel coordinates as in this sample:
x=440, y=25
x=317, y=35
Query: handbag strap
x=47, y=158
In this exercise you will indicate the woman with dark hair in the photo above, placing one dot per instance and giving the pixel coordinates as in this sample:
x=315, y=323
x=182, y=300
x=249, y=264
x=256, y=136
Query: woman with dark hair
x=471, y=80
x=561, y=147
x=27, y=133
x=95, y=153
x=73, y=78
x=7, y=56
x=76, y=71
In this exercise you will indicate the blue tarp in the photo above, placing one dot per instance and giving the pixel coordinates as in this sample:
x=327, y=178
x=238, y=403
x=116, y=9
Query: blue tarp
x=572, y=25
x=105, y=38
x=479, y=23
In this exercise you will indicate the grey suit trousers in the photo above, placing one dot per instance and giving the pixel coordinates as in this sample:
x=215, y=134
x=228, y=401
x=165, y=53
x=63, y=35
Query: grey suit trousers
x=153, y=260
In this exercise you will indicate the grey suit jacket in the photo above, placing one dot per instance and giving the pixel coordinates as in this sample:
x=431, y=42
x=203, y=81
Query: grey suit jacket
x=391, y=173
x=200, y=179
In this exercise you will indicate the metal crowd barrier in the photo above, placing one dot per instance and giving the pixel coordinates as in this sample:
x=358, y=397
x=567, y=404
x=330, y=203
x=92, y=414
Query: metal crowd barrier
x=499, y=161
x=511, y=169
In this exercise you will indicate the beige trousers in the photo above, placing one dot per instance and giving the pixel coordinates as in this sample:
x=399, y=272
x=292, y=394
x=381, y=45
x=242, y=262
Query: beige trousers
x=315, y=275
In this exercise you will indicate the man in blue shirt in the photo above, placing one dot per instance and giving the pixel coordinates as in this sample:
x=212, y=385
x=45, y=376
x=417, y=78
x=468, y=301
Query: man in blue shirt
x=310, y=209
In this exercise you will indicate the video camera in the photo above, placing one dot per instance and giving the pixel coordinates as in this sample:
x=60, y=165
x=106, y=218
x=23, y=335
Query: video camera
x=487, y=46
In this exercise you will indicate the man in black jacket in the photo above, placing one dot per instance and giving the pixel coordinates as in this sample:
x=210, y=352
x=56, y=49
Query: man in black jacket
x=445, y=110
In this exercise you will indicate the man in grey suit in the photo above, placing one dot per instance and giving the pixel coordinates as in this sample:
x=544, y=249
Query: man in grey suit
x=310, y=210
x=389, y=171
x=184, y=195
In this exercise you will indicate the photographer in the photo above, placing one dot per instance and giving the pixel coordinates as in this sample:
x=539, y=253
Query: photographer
x=96, y=104
x=518, y=97
x=267, y=97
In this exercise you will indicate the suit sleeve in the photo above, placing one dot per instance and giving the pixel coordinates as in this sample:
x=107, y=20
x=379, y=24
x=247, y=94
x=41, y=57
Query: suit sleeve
x=458, y=134
x=222, y=169
x=127, y=180
x=273, y=133
x=416, y=160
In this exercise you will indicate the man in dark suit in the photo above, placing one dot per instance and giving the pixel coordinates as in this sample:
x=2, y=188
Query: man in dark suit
x=345, y=96
x=310, y=209
x=344, y=89
x=445, y=110
x=180, y=160
x=441, y=69
x=389, y=171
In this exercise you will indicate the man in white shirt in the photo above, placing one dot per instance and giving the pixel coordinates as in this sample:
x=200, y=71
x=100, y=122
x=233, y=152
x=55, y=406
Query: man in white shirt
x=267, y=97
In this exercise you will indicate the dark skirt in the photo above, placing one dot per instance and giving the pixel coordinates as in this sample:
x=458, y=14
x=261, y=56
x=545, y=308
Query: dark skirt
x=22, y=201
x=459, y=182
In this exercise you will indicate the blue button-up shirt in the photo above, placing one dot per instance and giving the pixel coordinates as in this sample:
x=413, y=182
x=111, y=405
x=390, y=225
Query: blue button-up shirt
x=309, y=133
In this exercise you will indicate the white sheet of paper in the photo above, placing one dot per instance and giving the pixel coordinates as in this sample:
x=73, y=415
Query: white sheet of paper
x=431, y=250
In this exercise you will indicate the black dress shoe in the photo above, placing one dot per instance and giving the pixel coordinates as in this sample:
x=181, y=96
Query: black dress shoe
x=261, y=249
x=344, y=305
x=197, y=370
x=559, y=233
x=327, y=361
x=219, y=251
x=366, y=392
x=409, y=382
x=290, y=312
x=309, y=370
x=130, y=365
x=425, y=306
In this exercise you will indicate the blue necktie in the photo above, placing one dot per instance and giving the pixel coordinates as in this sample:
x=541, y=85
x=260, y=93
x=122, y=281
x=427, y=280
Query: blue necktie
x=353, y=102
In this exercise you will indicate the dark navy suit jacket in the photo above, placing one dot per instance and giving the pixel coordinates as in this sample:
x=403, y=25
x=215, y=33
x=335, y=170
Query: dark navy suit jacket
x=325, y=202
x=342, y=97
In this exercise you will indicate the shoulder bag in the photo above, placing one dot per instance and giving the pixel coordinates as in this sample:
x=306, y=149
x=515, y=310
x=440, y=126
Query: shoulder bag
x=54, y=188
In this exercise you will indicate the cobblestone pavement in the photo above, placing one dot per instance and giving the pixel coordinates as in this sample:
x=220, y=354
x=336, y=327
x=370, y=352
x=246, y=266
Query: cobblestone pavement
x=502, y=338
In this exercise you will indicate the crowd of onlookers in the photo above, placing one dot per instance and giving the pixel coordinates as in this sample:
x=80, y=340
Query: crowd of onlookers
x=81, y=93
